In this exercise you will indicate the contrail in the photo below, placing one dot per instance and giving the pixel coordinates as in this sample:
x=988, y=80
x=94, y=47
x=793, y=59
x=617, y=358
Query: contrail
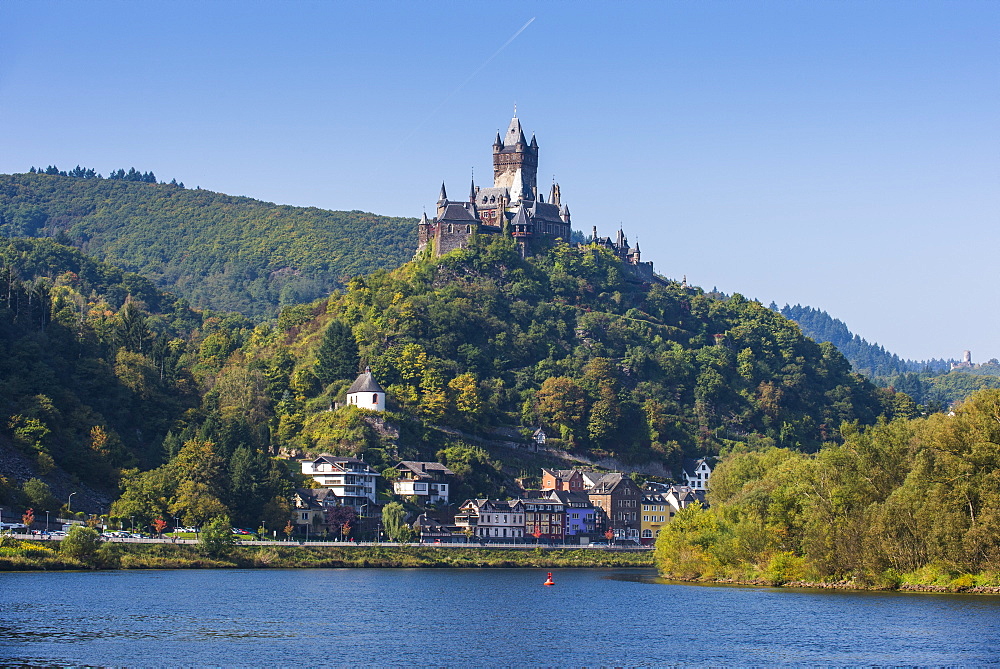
x=469, y=78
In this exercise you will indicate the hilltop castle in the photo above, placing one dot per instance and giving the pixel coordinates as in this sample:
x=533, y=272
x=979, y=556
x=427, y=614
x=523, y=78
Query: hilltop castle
x=514, y=206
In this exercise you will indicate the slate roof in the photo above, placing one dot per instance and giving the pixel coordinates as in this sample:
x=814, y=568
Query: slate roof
x=545, y=211
x=486, y=197
x=456, y=211
x=425, y=467
x=569, y=499
x=365, y=383
x=521, y=217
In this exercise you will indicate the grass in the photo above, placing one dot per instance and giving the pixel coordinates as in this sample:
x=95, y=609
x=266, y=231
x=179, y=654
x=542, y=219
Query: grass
x=185, y=556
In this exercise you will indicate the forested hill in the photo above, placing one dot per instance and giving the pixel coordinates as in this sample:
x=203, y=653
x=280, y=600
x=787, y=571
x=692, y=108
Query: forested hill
x=220, y=252
x=481, y=339
x=91, y=371
x=869, y=359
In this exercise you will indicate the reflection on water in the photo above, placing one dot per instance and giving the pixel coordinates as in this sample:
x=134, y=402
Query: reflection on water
x=468, y=616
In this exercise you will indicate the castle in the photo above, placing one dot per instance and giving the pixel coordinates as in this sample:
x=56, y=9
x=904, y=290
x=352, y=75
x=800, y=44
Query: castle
x=514, y=206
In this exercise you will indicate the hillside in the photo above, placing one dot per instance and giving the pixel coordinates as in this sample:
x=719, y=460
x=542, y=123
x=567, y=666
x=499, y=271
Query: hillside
x=869, y=359
x=931, y=383
x=481, y=339
x=220, y=252
x=89, y=377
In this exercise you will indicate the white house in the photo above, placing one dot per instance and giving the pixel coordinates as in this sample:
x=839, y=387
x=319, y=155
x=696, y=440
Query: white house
x=366, y=393
x=350, y=479
x=425, y=480
x=493, y=520
x=697, y=472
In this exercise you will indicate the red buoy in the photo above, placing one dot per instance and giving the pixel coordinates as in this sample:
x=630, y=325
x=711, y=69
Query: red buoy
x=549, y=581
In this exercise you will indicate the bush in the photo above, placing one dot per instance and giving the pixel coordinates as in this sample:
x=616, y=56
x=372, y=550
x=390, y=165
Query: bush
x=81, y=543
x=217, y=537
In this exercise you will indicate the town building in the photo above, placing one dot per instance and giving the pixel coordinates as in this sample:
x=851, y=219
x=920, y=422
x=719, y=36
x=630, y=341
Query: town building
x=656, y=512
x=432, y=531
x=617, y=499
x=351, y=480
x=428, y=481
x=579, y=513
x=697, y=472
x=366, y=393
x=492, y=520
x=562, y=479
x=544, y=519
x=309, y=509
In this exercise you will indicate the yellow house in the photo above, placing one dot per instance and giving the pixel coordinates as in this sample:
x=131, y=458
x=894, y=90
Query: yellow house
x=656, y=512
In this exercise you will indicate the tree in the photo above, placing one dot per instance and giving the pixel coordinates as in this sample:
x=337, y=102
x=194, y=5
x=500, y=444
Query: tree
x=394, y=522
x=337, y=357
x=289, y=530
x=39, y=496
x=561, y=403
x=337, y=517
x=217, y=538
x=28, y=517
x=159, y=525
x=196, y=503
x=81, y=543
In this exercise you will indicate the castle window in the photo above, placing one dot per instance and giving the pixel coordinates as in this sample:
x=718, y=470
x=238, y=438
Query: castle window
x=468, y=229
x=374, y=398
x=450, y=228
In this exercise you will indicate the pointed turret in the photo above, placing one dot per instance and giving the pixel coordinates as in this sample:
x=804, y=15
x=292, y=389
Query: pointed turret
x=472, y=190
x=564, y=215
x=555, y=195
x=498, y=143
x=515, y=135
x=443, y=197
x=534, y=143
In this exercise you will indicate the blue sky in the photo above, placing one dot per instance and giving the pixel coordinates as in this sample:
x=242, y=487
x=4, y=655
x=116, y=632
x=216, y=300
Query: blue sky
x=844, y=155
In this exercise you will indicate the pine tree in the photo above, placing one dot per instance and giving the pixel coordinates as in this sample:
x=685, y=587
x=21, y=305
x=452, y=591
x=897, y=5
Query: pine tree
x=337, y=357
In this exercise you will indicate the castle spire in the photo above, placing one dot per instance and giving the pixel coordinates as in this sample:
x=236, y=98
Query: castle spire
x=444, y=194
x=472, y=187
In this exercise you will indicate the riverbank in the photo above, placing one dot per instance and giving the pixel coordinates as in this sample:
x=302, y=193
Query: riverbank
x=965, y=584
x=32, y=556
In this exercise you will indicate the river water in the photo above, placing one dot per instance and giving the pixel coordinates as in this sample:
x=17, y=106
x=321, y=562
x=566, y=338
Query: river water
x=493, y=617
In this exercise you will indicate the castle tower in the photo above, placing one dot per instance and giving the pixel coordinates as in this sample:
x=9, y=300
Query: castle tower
x=515, y=163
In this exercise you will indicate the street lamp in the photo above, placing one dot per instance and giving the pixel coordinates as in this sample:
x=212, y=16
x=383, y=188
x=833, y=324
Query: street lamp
x=46, y=522
x=69, y=503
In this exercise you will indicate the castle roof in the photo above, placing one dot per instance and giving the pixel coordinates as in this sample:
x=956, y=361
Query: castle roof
x=545, y=211
x=521, y=217
x=514, y=134
x=456, y=211
x=365, y=383
x=491, y=196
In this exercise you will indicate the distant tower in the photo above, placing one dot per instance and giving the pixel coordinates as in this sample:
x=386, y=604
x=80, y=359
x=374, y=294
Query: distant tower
x=366, y=393
x=515, y=163
x=967, y=357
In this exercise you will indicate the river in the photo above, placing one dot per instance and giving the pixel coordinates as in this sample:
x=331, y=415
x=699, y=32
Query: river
x=473, y=617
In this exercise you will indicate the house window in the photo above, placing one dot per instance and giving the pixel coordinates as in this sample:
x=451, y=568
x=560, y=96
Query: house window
x=374, y=398
x=647, y=534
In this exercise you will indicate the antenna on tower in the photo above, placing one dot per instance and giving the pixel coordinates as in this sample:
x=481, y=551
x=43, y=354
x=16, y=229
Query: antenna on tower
x=515, y=110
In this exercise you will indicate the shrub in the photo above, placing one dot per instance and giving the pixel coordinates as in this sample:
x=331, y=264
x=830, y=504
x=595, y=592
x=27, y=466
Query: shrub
x=217, y=537
x=81, y=543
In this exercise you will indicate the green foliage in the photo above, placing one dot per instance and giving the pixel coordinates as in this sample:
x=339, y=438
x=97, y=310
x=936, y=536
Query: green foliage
x=481, y=338
x=38, y=496
x=337, y=357
x=216, y=538
x=81, y=543
x=394, y=522
x=885, y=506
x=221, y=252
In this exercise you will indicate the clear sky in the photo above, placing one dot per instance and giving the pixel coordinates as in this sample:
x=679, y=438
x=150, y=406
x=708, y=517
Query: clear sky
x=843, y=155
